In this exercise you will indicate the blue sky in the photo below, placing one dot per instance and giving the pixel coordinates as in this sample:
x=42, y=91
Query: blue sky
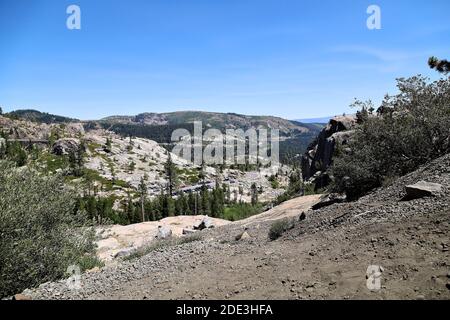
x=294, y=59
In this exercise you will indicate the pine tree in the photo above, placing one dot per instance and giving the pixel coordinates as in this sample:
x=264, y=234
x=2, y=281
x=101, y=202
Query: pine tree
x=170, y=206
x=108, y=146
x=171, y=174
x=254, y=194
x=91, y=208
x=178, y=206
x=186, y=210
x=162, y=204
x=142, y=189
x=76, y=160
x=148, y=208
x=205, y=206
x=197, y=202
x=130, y=210
x=217, y=201
x=214, y=204
x=442, y=66
x=167, y=205
x=191, y=204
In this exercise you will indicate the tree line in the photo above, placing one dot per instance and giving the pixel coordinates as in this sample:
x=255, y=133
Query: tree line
x=137, y=208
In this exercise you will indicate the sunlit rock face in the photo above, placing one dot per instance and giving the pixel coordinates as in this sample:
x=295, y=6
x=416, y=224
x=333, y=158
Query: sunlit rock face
x=318, y=157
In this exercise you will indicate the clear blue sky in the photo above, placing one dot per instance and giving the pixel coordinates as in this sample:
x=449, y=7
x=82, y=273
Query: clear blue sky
x=294, y=59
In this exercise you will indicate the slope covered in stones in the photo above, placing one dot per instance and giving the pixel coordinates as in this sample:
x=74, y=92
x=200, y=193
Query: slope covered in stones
x=323, y=256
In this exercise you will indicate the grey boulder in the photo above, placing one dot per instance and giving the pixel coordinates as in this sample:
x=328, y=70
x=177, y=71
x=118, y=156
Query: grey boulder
x=422, y=189
x=188, y=231
x=65, y=146
x=125, y=252
x=163, y=233
x=206, y=223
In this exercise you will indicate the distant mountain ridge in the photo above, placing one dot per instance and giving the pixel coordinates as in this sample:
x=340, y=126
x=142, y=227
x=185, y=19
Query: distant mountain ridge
x=211, y=119
x=295, y=136
x=38, y=116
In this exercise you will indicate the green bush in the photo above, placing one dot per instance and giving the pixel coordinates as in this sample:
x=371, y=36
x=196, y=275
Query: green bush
x=89, y=261
x=241, y=210
x=274, y=182
x=41, y=234
x=279, y=227
x=410, y=129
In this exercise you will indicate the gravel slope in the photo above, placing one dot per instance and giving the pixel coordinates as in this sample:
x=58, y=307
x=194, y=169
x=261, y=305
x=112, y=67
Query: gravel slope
x=323, y=257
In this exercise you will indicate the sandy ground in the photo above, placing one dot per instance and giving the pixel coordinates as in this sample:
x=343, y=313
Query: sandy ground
x=330, y=264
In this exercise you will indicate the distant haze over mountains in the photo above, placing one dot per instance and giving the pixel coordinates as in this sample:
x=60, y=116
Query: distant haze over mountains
x=315, y=120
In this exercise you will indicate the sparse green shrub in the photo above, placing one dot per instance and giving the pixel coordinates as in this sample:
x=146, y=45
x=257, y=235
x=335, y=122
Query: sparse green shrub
x=41, y=233
x=309, y=189
x=89, y=261
x=279, y=227
x=411, y=129
x=160, y=244
x=274, y=182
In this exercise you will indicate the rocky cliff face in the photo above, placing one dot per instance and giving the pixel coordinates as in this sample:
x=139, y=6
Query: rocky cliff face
x=318, y=157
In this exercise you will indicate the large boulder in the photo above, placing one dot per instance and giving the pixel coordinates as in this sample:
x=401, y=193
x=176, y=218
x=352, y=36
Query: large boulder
x=206, y=223
x=21, y=297
x=243, y=236
x=422, y=189
x=328, y=200
x=163, y=233
x=188, y=231
x=65, y=146
x=125, y=252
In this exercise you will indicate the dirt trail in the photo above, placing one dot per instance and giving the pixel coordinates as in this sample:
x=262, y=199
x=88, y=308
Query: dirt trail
x=323, y=265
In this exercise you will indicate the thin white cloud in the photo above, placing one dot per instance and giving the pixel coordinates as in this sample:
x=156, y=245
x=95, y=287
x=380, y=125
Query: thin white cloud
x=385, y=55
